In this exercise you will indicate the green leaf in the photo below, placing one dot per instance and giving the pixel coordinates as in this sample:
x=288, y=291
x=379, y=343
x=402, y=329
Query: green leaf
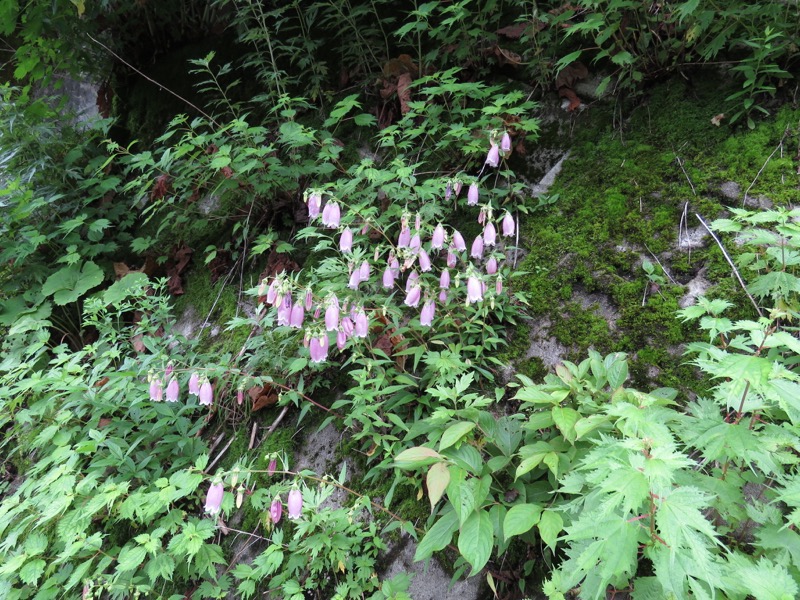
x=521, y=518
x=33, y=569
x=550, y=525
x=437, y=480
x=365, y=120
x=616, y=369
x=454, y=433
x=70, y=283
x=438, y=536
x=565, y=419
x=476, y=539
x=130, y=557
x=418, y=456
x=131, y=284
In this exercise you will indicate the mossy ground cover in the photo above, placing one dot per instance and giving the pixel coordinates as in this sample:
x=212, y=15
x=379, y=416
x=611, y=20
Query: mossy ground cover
x=625, y=194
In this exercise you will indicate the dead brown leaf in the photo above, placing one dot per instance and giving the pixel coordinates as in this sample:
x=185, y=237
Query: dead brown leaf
x=179, y=259
x=404, y=92
x=262, y=396
x=516, y=30
x=572, y=73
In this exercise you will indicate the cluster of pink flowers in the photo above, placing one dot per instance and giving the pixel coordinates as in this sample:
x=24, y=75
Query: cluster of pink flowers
x=201, y=388
x=414, y=253
x=294, y=504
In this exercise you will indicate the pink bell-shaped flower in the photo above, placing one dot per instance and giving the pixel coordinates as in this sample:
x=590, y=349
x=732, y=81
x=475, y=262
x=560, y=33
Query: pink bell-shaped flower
x=473, y=195
x=413, y=296
x=364, y=271
x=206, y=393
x=318, y=348
x=348, y=326
x=427, y=313
x=451, y=259
x=346, y=241
x=508, y=225
x=314, y=203
x=505, y=143
x=477, y=248
x=489, y=234
x=361, y=326
x=457, y=188
x=424, y=261
x=388, y=278
x=444, y=279
x=493, y=158
x=355, y=279
x=173, y=390
x=331, y=214
x=341, y=339
x=443, y=297
x=415, y=243
x=458, y=242
x=295, y=504
x=413, y=277
x=285, y=311
x=332, y=315
x=214, y=498
x=437, y=241
x=194, y=384
x=474, y=290
x=272, y=292
x=491, y=266
x=156, y=391
x=405, y=238
x=297, y=315
x=275, y=510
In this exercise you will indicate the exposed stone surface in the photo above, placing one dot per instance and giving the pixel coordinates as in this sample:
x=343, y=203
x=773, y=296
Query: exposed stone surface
x=731, y=190
x=695, y=288
x=544, y=346
x=318, y=454
x=430, y=581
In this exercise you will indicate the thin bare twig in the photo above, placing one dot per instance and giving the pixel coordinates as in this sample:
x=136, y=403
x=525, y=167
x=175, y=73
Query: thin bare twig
x=680, y=164
x=730, y=262
x=252, y=436
x=151, y=80
x=221, y=453
x=274, y=425
x=764, y=166
x=660, y=265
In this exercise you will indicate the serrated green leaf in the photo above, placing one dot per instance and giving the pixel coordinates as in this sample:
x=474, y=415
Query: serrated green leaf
x=29, y=574
x=130, y=557
x=550, y=525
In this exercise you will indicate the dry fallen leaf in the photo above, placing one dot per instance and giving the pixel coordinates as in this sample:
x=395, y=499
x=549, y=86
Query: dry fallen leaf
x=717, y=119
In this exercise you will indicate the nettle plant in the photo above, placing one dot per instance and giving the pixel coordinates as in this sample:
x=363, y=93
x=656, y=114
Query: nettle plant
x=631, y=491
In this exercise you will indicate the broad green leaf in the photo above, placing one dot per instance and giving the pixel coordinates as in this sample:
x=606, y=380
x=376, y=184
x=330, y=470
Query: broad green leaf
x=454, y=433
x=29, y=574
x=565, y=419
x=70, y=283
x=438, y=536
x=418, y=456
x=521, y=518
x=132, y=283
x=616, y=369
x=438, y=478
x=476, y=539
x=550, y=525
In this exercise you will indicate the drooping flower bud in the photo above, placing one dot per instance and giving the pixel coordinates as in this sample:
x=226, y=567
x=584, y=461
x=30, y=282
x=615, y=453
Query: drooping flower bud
x=214, y=498
x=194, y=384
x=168, y=371
x=348, y=326
x=458, y=242
x=206, y=393
x=508, y=225
x=417, y=222
x=491, y=266
x=477, y=248
x=173, y=390
x=489, y=234
x=424, y=261
x=457, y=188
x=272, y=292
x=341, y=339
x=473, y=195
x=443, y=297
x=505, y=143
x=309, y=299
x=415, y=243
x=295, y=504
x=346, y=241
x=239, y=396
x=448, y=191
x=273, y=464
x=437, y=241
x=451, y=259
x=493, y=158
x=444, y=279
x=474, y=290
x=427, y=313
x=498, y=286
x=355, y=279
x=276, y=510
